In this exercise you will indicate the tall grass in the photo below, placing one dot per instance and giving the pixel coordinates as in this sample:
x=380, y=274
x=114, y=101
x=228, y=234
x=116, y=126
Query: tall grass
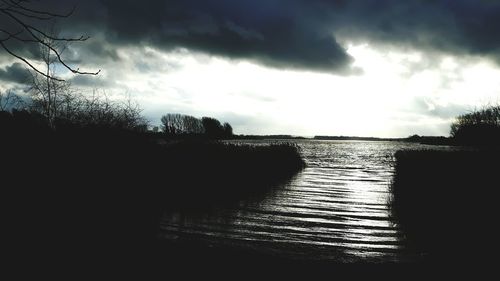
x=211, y=172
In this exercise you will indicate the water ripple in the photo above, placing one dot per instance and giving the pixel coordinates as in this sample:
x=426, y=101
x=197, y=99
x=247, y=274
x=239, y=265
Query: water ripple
x=337, y=208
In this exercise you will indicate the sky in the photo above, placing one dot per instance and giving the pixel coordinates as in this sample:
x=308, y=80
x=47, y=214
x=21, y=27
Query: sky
x=381, y=68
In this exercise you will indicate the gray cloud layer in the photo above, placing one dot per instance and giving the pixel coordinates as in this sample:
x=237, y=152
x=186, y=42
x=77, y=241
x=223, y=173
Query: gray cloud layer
x=287, y=33
x=14, y=73
x=271, y=32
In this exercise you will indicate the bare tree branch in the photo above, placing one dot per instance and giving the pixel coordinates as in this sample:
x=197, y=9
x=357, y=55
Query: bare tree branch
x=20, y=14
x=27, y=62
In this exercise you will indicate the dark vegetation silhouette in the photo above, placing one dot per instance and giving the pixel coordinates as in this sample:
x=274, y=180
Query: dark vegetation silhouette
x=445, y=203
x=445, y=200
x=214, y=129
x=90, y=188
x=220, y=173
x=480, y=127
x=180, y=125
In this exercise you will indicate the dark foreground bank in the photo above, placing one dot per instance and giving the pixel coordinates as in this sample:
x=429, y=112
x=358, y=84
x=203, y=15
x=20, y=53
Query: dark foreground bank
x=446, y=204
x=89, y=198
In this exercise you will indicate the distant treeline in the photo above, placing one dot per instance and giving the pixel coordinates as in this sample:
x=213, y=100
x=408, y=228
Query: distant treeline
x=174, y=124
x=435, y=140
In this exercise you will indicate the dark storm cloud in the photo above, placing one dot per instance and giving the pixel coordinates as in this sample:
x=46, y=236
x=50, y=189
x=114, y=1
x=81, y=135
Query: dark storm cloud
x=457, y=26
x=272, y=32
x=16, y=72
x=91, y=81
x=289, y=33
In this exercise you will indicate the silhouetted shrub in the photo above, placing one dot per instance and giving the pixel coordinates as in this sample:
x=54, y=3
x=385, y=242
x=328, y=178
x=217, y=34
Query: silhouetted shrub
x=99, y=111
x=481, y=127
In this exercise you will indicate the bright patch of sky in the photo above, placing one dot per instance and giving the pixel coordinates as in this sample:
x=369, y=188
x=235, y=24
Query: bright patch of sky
x=396, y=94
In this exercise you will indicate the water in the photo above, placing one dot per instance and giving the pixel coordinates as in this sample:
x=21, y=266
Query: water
x=336, y=209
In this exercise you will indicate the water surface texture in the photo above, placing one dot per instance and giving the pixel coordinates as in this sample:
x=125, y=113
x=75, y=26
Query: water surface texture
x=336, y=209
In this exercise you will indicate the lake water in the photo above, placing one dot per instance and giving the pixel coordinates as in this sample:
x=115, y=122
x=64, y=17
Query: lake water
x=335, y=209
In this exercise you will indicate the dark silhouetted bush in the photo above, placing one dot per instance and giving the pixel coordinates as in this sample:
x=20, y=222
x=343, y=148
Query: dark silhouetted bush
x=481, y=127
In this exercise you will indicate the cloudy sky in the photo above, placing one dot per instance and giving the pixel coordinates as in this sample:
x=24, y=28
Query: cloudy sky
x=385, y=68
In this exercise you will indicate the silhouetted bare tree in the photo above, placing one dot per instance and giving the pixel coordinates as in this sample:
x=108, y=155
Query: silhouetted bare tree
x=171, y=123
x=49, y=91
x=176, y=124
x=179, y=124
x=21, y=23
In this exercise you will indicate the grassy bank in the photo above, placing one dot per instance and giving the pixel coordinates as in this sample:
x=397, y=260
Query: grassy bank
x=445, y=203
x=219, y=172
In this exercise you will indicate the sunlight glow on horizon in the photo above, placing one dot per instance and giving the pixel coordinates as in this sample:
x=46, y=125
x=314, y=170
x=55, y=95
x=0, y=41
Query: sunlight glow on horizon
x=394, y=96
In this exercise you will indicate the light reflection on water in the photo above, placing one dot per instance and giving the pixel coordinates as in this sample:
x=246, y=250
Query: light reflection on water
x=336, y=209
